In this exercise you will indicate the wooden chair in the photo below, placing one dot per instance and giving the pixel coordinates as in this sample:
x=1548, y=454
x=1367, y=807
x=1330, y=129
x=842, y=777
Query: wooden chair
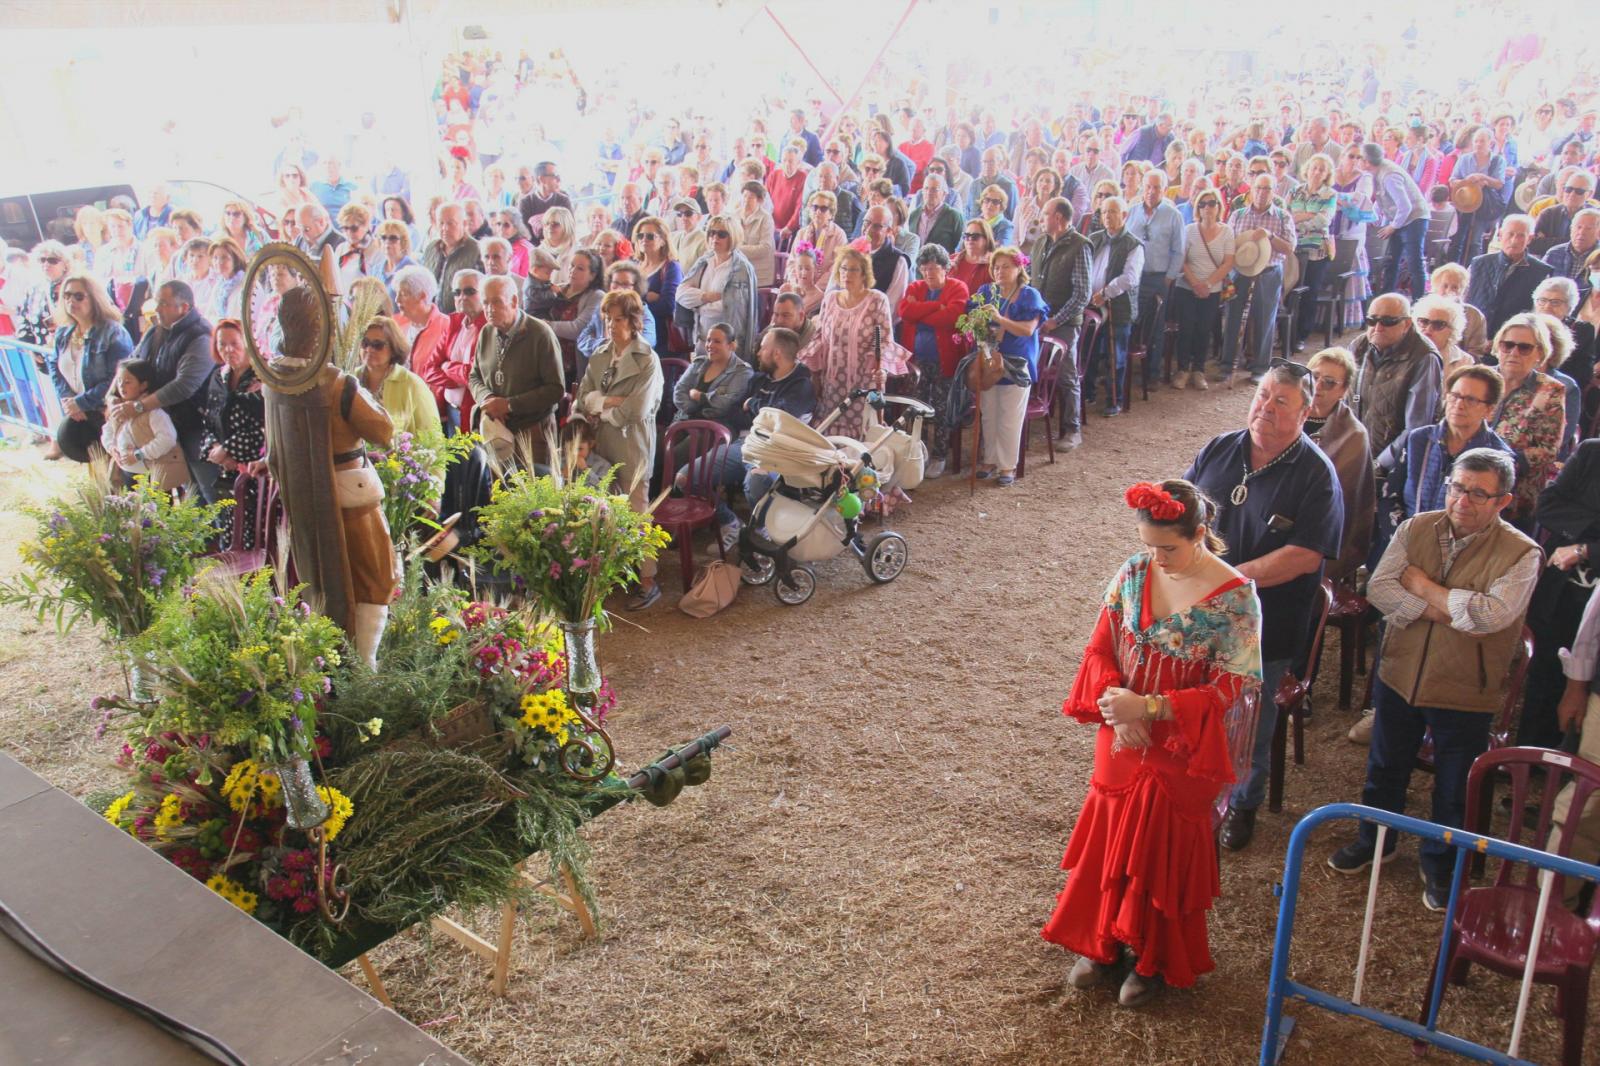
x=1042, y=399
x=696, y=509
x=1493, y=926
x=1292, y=699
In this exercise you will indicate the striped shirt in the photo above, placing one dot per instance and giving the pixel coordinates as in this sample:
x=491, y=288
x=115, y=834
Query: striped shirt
x=1275, y=220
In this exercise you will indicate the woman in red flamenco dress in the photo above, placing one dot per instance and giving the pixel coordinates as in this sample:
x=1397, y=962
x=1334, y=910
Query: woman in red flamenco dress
x=1177, y=645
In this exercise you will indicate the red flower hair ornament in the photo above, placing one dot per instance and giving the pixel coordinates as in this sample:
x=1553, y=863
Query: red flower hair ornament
x=1161, y=504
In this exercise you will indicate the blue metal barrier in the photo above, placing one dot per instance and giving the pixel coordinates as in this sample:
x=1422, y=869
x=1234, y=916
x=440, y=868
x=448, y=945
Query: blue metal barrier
x=22, y=394
x=1281, y=988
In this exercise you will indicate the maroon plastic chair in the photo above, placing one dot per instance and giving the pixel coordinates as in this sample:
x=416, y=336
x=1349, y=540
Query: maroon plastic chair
x=1494, y=924
x=1352, y=616
x=1240, y=725
x=678, y=342
x=765, y=299
x=263, y=522
x=696, y=509
x=780, y=265
x=1292, y=698
x=671, y=370
x=1088, y=333
x=1042, y=399
x=1505, y=722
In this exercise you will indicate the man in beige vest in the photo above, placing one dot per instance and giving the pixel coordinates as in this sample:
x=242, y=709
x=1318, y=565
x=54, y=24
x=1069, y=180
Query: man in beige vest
x=1453, y=587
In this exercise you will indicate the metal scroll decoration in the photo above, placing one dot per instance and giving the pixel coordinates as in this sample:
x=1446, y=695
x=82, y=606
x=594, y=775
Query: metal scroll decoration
x=272, y=269
x=588, y=754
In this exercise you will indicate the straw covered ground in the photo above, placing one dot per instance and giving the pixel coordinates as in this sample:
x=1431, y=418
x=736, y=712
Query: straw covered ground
x=864, y=877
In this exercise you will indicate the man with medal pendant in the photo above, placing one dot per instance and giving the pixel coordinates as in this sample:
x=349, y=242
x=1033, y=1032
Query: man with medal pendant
x=1281, y=512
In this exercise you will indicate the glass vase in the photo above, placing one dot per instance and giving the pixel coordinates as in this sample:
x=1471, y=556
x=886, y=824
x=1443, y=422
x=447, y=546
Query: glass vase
x=583, y=669
x=303, y=808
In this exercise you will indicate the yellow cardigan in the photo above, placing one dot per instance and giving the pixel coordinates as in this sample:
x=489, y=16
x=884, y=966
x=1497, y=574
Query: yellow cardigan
x=410, y=404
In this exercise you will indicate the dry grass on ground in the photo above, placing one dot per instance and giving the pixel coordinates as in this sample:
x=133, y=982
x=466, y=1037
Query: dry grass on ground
x=864, y=877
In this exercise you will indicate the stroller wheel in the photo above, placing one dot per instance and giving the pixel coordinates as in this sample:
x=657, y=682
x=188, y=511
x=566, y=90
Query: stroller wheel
x=795, y=587
x=887, y=554
x=758, y=569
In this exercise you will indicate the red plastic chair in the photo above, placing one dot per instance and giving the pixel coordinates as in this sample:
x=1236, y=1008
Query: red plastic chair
x=263, y=522
x=678, y=342
x=1352, y=616
x=1292, y=698
x=697, y=507
x=1042, y=399
x=1505, y=723
x=1494, y=924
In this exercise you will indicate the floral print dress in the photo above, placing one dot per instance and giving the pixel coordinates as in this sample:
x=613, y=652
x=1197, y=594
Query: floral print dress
x=1142, y=862
x=1532, y=419
x=845, y=356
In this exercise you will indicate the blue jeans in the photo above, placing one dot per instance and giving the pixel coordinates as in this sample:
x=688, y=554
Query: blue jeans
x=1407, y=245
x=729, y=466
x=1248, y=794
x=1119, y=335
x=1264, y=292
x=1459, y=737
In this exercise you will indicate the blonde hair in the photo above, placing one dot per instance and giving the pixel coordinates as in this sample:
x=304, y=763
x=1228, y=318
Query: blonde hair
x=393, y=227
x=1448, y=272
x=851, y=255
x=102, y=311
x=1339, y=357
x=729, y=222
x=653, y=222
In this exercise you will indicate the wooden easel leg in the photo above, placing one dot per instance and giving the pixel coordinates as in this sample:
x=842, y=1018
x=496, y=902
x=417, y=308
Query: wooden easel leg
x=502, y=958
x=576, y=904
x=374, y=982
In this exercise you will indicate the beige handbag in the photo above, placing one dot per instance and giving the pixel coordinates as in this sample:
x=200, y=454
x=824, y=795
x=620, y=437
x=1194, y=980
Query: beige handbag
x=713, y=590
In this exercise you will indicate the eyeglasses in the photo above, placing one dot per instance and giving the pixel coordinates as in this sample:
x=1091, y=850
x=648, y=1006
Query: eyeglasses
x=1519, y=347
x=1386, y=321
x=373, y=345
x=1432, y=323
x=1549, y=301
x=1477, y=496
x=1574, y=189
x=388, y=238
x=1328, y=383
x=718, y=234
x=463, y=292
x=234, y=214
x=74, y=296
x=1463, y=398
x=972, y=236
x=994, y=202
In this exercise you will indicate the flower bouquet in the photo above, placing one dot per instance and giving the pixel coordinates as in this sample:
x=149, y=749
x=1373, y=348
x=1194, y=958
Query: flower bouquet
x=110, y=555
x=569, y=546
x=239, y=663
x=412, y=472
x=978, y=323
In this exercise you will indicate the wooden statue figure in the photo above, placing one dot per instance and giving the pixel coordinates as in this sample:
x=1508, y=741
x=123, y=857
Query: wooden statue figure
x=317, y=420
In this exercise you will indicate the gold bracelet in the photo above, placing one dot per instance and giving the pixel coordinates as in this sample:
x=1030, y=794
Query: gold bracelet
x=1152, y=707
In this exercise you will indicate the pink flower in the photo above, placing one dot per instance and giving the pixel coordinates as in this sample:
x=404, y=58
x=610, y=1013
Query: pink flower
x=555, y=570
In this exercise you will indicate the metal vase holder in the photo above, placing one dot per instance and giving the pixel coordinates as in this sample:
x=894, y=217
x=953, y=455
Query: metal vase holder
x=588, y=755
x=305, y=810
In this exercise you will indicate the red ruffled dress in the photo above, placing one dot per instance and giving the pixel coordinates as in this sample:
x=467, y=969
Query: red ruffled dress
x=1142, y=862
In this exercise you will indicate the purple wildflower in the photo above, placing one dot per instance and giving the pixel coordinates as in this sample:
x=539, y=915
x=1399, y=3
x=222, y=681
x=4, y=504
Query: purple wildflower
x=277, y=601
x=155, y=574
x=299, y=697
x=327, y=684
x=58, y=522
x=305, y=612
x=105, y=538
x=294, y=719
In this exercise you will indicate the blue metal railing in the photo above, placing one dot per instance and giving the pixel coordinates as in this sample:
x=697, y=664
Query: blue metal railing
x=1280, y=988
x=23, y=395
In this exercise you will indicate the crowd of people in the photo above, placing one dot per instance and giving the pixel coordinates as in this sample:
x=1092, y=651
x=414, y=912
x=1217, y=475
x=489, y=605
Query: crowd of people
x=816, y=252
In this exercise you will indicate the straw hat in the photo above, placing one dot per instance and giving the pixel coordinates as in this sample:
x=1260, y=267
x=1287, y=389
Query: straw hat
x=1467, y=198
x=442, y=543
x=1252, y=257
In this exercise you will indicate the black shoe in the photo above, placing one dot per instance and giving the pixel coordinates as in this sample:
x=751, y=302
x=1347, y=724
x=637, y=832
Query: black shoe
x=1435, y=890
x=1355, y=857
x=644, y=599
x=1237, y=828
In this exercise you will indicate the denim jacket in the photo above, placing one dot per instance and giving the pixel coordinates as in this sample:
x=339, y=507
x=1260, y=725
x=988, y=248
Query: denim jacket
x=106, y=346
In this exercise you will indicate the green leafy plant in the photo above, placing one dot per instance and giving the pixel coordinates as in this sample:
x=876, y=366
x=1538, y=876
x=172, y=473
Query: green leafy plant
x=110, y=555
x=412, y=472
x=977, y=323
x=568, y=545
x=239, y=663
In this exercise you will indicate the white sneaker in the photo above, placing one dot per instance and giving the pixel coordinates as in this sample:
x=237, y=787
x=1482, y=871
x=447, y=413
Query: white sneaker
x=730, y=535
x=1197, y=381
x=935, y=468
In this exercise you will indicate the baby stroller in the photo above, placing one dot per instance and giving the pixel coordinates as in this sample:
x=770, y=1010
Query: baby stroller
x=814, y=509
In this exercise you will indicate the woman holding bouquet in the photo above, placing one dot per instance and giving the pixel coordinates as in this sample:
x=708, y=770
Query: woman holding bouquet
x=1177, y=644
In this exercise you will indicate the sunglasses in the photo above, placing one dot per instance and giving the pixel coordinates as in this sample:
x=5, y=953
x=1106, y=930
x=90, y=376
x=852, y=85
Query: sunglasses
x=1571, y=189
x=463, y=292
x=1432, y=323
x=234, y=214
x=1386, y=321
x=684, y=214
x=718, y=234
x=972, y=236
x=368, y=344
x=74, y=296
x=388, y=238
x=1299, y=370
x=992, y=200
x=1519, y=347
x=52, y=259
